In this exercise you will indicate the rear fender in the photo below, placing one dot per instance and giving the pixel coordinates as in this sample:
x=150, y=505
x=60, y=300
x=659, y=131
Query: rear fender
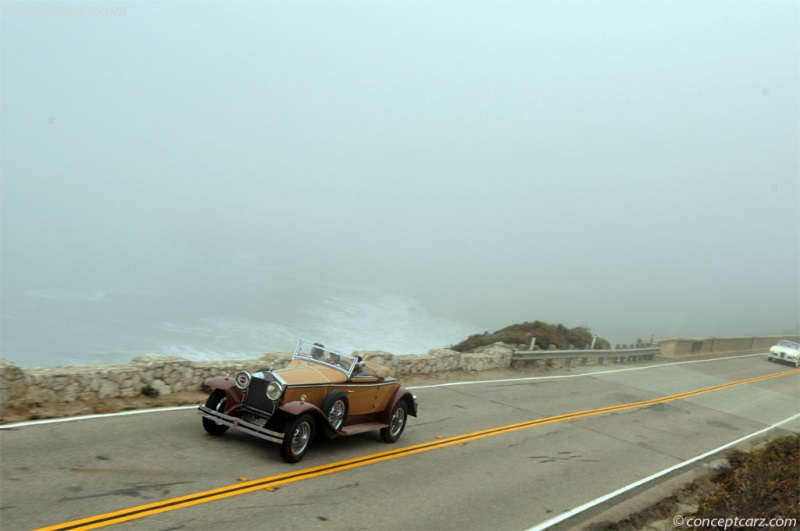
x=401, y=394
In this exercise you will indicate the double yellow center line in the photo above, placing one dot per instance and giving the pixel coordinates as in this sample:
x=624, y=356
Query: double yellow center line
x=269, y=483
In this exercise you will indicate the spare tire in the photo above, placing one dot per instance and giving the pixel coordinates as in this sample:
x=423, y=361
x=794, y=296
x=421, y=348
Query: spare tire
x=335, y=407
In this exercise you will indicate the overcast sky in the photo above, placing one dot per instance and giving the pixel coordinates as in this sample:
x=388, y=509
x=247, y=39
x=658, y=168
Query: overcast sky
x=630, y=166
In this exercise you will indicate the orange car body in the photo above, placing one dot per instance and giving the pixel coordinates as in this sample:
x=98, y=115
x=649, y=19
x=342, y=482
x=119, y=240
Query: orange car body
x=333, y=394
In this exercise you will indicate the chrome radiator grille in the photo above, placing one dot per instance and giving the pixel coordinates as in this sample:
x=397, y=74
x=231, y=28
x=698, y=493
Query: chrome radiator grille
x=256, y=396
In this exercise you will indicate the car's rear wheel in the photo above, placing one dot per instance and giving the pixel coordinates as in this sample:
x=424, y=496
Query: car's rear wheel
x=335, y=406
x=297, y=438
x=397, y=423
x=216, y=401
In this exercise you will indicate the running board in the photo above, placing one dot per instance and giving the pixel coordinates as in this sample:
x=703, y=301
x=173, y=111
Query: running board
x=361, y=428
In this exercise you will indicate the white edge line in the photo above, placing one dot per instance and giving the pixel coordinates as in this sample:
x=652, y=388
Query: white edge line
x=97, y=416
x=572, y=512
x=530, y=378
x=560, y=376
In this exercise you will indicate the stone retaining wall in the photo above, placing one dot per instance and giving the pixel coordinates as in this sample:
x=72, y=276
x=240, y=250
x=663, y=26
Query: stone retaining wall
x=169, y=374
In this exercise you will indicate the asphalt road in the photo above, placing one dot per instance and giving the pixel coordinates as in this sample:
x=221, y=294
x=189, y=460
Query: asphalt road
x=437, y=476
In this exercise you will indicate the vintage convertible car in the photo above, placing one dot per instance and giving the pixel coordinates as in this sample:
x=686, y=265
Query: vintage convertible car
x=320, y=391
x=786, y=351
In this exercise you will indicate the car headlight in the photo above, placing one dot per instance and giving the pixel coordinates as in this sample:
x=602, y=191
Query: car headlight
x=274, y=391
x=242, y=379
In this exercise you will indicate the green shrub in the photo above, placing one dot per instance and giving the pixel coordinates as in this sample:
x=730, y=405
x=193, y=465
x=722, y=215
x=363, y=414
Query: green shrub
x=546, y=334
x=149, y=390
x=763, y=483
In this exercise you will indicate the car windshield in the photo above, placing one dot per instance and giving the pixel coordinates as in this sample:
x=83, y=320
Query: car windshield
x=317, y=352
x=787, y=343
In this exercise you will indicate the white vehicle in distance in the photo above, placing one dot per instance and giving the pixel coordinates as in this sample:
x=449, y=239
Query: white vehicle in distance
x=786, y=351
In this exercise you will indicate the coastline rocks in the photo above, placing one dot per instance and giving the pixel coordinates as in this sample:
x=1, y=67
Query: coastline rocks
x=12, y=382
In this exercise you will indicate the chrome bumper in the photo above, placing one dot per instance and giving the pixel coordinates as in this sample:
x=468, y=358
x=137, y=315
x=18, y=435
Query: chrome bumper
x=239, y=424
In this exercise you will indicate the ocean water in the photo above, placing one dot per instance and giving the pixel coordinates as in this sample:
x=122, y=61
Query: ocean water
x=240, y=318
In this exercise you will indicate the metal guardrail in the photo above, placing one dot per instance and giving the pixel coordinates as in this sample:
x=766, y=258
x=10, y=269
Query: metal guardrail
x=613, y=355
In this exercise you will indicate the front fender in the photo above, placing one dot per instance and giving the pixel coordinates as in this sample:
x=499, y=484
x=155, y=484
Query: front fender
x=298, y=408
x=227, y=384
x=220, y=382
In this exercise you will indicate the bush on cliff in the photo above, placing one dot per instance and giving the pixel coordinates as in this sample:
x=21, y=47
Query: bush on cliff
x=546, y=334
x=764, y=483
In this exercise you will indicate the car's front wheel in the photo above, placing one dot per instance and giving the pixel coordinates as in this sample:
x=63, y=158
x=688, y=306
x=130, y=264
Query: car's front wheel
x=297, y=438
x=397, y=423
x=216, y=401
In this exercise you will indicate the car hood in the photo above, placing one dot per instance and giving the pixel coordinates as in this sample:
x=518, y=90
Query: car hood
x=300, y=372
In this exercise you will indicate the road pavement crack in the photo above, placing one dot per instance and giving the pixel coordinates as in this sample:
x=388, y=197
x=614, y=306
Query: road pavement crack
x=135, y=491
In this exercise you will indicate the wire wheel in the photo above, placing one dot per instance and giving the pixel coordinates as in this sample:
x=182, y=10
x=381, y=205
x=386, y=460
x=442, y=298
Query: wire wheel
x=297, y=438
x=397, y=423
x=335, y=407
